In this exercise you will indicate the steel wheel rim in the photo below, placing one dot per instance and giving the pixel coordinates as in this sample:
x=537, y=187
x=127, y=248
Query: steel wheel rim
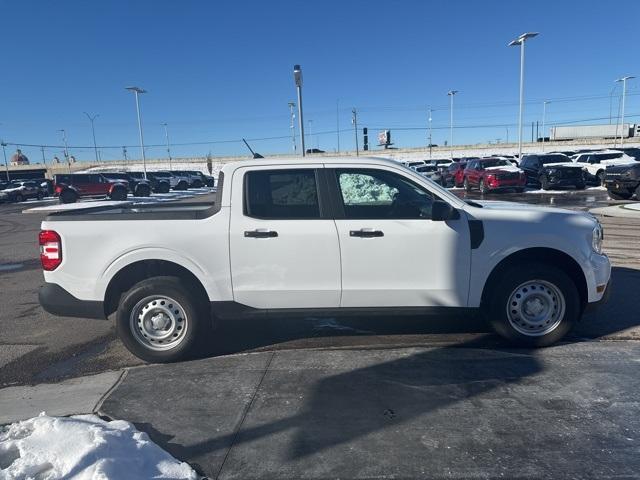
x=158, y=323
x=536, y=308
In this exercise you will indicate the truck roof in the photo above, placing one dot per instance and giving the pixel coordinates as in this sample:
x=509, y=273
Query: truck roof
x=301, y=161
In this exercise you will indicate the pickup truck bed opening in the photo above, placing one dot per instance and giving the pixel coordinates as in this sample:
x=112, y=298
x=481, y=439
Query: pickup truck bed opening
x=130, y=211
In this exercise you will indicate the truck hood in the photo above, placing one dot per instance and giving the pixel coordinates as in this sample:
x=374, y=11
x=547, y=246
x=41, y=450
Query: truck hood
x=563, y=164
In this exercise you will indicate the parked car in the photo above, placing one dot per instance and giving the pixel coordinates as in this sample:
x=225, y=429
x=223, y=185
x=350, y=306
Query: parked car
x=413, y=164
x=454, y=174
x=159, y=182
x=175, y=179
x=194, y=179
x=623, y=181
x=70, y=187
x=531, y=270
x=138, y=185
x=431, y=172
x=632, y=152
x=595, y=163
x=493, y=174
x=552, y=170
x=21, y=190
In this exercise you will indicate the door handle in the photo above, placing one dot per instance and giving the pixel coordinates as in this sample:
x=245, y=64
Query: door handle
x=260, y=233
x=366, y=233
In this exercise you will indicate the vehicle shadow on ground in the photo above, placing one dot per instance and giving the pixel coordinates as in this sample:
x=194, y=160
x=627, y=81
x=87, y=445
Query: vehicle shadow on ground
x=612, y=319
x=360, y=404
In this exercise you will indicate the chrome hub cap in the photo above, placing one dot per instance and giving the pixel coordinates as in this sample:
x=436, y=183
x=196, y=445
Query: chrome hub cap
x=158, y=323
x=536, y=308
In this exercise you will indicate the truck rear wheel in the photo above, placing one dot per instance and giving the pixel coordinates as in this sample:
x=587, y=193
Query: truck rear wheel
x=118, y=194
x=68, y=196
x=159, y=320
x=533, y=305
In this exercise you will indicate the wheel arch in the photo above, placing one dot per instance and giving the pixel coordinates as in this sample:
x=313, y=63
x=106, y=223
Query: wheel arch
x=538, y=255
x=140, y=270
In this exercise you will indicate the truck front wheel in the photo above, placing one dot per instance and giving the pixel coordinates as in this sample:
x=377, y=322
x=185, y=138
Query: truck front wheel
x=159, y=320
x=533, y=304
x=618, y=195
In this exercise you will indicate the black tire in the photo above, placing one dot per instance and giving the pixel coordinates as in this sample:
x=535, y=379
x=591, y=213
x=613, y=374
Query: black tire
x=40, y=196
x=19, y=197
x=191, y=326
x=118, y=194
x=505, y=288
x=142, y=191
x=601, y=176
x=68, y=196
x=519, y=189
x=638, y=192
x=182, y=185
x=466, y=185
x=483, y=187
x=164, y=187
x=619, y=195
x=581, y=186
x=544, y=182
x=197, y=184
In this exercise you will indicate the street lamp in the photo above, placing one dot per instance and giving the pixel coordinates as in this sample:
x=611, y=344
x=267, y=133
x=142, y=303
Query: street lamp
x=137, y=91
x=297, y=79
x=430, y=131
x=521, y=41
x=292, y=105
x=451, y=94
x=66, y=148
x=6, y=165
x=544, y=114
x=166, y=135
x=624, y=94
x=93, y=131
x=310, y=142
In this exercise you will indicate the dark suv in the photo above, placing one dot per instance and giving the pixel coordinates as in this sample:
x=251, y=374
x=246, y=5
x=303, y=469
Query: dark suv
x=552, y=170
x=623, y=181
x=138, y=185
x=70, y=187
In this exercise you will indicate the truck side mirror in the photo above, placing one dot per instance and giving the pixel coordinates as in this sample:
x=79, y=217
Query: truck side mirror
x=442, y=211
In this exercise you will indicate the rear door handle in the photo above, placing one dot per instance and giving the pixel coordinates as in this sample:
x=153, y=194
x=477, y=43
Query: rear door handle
x=366, y=233
x=260, y=233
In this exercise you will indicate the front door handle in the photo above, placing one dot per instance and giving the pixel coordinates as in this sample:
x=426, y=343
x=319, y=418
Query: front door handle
x=260, y=233
x=366, y=233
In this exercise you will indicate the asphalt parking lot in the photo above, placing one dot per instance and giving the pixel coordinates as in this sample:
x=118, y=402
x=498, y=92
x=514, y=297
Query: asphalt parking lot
x=37, y=347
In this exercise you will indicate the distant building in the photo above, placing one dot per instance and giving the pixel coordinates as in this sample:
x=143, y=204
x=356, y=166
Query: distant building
x=19, y=158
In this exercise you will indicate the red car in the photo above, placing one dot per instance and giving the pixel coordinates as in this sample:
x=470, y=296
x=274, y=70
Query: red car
x=73, y=186
x=454, y=174
x=491, y=174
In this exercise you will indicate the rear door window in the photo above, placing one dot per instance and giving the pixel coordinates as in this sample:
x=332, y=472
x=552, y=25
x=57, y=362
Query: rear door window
x=282, y=194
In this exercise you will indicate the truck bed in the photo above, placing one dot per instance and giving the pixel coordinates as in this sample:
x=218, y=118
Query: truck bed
x=130, y=211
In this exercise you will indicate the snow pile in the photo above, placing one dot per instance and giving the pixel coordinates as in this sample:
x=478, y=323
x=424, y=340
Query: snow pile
x=83, y=447
x=505, y=168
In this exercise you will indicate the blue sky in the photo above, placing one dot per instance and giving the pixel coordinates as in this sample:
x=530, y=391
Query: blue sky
x=218, y=71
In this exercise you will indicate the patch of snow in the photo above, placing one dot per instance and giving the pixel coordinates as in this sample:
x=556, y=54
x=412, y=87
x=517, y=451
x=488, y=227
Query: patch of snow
x=506, y=168
x=83, y=447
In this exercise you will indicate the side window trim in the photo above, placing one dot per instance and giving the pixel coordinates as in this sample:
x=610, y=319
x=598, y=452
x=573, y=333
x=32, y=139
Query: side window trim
x=322, y=207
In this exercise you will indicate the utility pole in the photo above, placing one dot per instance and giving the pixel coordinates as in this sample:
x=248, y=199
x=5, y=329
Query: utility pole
x=338, y=123
x=93, y=131
x=6, y=165
x=354, y=120
x=451, y=94
x=166, y=135
x=624, y=94
x=544, y=114
x=292, y=113
x=520, y=41
x=430, y=131
x=124, y=153
x=297, y=79
x=66, y=148
x=44, y=160
x=137, y=91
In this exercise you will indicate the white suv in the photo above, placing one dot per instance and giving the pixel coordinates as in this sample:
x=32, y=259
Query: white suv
x=595, y=164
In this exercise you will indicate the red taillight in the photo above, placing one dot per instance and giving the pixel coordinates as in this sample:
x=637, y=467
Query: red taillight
x=50, y=249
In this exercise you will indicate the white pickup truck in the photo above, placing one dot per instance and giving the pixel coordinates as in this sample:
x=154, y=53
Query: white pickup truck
x=330, y=237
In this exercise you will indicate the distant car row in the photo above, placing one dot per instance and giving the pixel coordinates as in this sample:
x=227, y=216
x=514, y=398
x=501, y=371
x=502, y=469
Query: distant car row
x=113, y=185
x=546, y=171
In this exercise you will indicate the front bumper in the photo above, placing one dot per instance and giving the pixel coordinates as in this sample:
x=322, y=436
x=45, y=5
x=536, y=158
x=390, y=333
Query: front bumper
x=605, y=298
x=57, y=301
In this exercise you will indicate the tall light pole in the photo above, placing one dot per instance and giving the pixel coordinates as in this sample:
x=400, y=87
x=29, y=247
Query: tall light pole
x=93, y=131
x=297, y=79
x=292, y=105
x=137, y=91
x=66, y=148
x=521, y=41
x=610, y=100
x=6, y=165
x=310, y=142
x=166, y=135
x=544, y=114
x=451, y=94
x=430, y=131
x=338, y=122
x=624, y=94
x=354, y=120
